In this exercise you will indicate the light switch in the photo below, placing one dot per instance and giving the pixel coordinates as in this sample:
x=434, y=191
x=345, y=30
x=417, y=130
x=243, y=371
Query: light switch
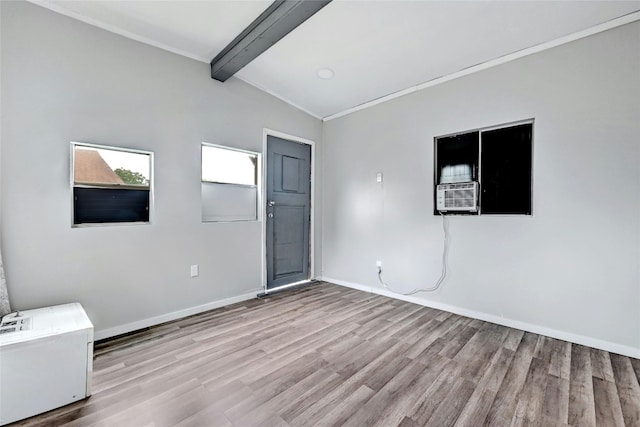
x=194, y=270
x=379, y=177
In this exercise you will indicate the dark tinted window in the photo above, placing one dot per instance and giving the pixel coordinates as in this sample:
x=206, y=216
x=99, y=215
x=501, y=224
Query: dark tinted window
x=98, y=205
x=499, y=159
x=506, y=171
x=457, y=158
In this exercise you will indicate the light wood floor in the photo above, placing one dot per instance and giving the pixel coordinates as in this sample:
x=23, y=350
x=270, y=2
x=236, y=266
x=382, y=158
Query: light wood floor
x=328, y=355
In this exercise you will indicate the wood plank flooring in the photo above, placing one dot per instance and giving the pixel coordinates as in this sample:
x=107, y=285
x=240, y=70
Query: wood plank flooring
x=328, y=355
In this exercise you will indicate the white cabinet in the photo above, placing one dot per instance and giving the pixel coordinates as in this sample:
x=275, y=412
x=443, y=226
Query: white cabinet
x=46, y=364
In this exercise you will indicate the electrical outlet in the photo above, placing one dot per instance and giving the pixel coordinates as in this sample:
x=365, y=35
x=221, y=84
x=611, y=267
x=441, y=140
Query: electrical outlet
x=194, y=270
x=379, y=264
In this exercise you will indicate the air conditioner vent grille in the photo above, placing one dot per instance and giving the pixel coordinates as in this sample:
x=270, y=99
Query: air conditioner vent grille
x=457, y=197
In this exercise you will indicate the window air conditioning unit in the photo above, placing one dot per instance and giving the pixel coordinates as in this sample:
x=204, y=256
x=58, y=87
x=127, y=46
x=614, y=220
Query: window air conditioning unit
x=461, y=197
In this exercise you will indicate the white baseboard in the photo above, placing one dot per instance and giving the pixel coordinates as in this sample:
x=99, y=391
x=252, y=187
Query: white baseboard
x=524, y=326
x=156, y=320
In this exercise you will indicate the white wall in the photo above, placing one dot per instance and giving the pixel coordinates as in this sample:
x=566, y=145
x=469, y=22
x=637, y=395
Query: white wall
x=571, y=270
x=63, y=81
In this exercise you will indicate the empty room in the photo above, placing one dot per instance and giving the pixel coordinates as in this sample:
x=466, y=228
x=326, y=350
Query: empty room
x=318, y=213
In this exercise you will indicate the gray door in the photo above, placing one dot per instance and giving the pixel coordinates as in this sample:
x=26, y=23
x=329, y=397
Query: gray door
x=288, y=211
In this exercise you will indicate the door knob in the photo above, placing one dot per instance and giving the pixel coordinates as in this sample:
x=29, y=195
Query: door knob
x=270, y=215
x=271, y=203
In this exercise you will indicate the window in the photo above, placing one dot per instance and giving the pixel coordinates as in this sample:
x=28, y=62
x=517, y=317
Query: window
x=110, y=185
x=457, y=158
x=506, y=170
x=230, y=184
x=499, y=159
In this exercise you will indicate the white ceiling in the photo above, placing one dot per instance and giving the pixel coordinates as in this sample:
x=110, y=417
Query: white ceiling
x=376, y=48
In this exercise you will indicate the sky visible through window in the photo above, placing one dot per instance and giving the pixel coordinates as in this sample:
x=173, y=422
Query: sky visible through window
x=228, y=166
x=134, y=162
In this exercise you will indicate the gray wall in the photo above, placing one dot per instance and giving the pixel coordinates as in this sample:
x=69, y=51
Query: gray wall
x=63, y=81
x=573, y=268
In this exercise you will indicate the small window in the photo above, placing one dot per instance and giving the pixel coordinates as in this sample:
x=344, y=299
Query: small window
x=457, y=158
x=110, y=185
x=229, y=186
x=506, y=170
x=497, y=159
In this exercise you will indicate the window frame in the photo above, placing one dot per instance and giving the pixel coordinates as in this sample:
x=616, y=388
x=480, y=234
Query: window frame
x=257, y=186
x=480, y=132
x=73, y=185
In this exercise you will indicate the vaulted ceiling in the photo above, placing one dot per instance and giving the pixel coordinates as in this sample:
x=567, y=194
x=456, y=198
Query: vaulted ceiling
x=374, y=48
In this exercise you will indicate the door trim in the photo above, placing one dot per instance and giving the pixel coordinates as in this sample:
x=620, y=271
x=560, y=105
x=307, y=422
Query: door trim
x=270, y=132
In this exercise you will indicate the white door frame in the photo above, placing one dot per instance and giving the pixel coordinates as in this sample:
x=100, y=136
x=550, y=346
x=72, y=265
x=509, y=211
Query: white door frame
x=270, y=132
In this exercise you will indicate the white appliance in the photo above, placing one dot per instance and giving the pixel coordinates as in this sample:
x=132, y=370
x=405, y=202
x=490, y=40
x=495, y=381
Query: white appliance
x=46, y=360
x=457, y=197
